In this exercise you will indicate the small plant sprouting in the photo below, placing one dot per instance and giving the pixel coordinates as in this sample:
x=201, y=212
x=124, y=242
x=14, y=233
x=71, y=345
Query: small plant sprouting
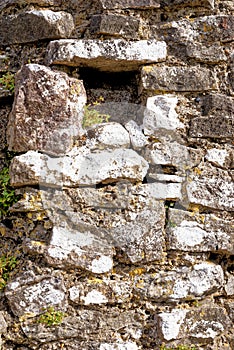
x=7, y=193
x=7, y=265
x=51, y=317
x=7, y=82
x=171, y=223
x=92, y=116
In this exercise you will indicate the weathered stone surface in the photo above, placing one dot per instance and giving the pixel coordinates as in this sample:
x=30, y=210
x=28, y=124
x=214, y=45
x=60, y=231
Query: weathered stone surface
x=213, y=126
x=32, y=294
x=106, y=55
x=47, y=112
x=115, y=25
x=229, y=286
x=3, y=324
x=7, y=3
x=217, y=104
x=154, y=79
x=203, y=323
x=108, y=136
x=137, y=138
x=211, y=187
x=182, y=283
x=165, y=191
x=160, y=113
x=199, y=233
x=220, y=157
x=83, y=247
x=86, y=326
x=80, y=169
x=4, y=113
x=208, y=54
x=125, y=4
x=193, y=3
x=75, y=344
x=35, y=25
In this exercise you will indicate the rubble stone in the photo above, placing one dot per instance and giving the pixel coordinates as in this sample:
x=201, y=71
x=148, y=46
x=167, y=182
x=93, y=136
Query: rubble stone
x=35, y=25
x=47, y=112
x=106, y=55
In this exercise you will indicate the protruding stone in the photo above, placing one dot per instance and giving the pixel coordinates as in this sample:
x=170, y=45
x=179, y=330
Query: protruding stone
x=211, y=187
x=87, y=169
x=35, y=25
x=220, y=157
x=47, y=112
x=199, y=233
x=138, y=139
x=160, y=113
x=115, y=25
x=32, y=298
x=106, y=55
x=154, y=79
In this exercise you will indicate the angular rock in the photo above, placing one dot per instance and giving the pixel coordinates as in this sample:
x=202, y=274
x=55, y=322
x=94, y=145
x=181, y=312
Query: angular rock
x=180, y=284
x=115, y=25
x=108, y=136
x=211, y=187
x=213, y=126
x=203, y=323
x=30, y=26
x=207, y=54
x=3, y=324
x=83, y=247
x=160, y=113
x=154, y=79
x=82, y=169
x=7, y=3
x=75, y=344
x=220, y=157
x=165, y=191
x=131, y=4
x=36, y=294
x=86, y=326
x=200, y=233
x=217, y=104
x=137, y=138
x=106, y=55
x=193, y=3
x=47, y=111
x=229, y=286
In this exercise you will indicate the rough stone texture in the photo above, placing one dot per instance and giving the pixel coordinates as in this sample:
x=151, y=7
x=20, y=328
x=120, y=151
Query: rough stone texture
x=193, y=3
x=206, y=54
x=229, y=286
x=4, y=113
x=220, y=157
x=154, y=79
x=217, y=104
x=106, y=55
x=6, y=3
x=35, y=25
x=137, y=138
x=47, y=112
x=182, y=283
x=213, y=126
x=112, y=324
x=211, y=187
x=84, y=168
x=203, y=323
x=132, y=4
x=199, y=233
x=76, y=344
x=161, y=114
x=32, y=294
x=119, y=26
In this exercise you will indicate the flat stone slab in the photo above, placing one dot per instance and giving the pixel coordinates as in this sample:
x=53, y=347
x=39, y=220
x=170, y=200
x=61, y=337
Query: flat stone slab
x=129, y=4
x=30, y=26
x=106, y=55
x=213, y=126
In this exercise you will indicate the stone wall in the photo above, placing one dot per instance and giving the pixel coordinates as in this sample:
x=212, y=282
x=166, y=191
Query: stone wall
x=119, y=127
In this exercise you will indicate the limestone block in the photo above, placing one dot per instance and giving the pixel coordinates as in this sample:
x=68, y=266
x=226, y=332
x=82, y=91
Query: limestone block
x=191, y=3
x=83, y=247
x=115, y=25
x=7, y=3
x=106, y=55
x=3, y=324
x=35, y=25
x=75, y=344
x=214, y=126
x=208, y=54
x=32, y=298
x=4, y=114
x=47, y=112
x=229, y=285
x=211, y=187
x=154, y=79
x=217, y=104
x=82, y=169
x=108, y=136
x=160, y=113
x=203, y=323
x=132, y=4
x=164, y=191
x=137, y=138
x=182, y=283
x=200, y=233
x=220, y=157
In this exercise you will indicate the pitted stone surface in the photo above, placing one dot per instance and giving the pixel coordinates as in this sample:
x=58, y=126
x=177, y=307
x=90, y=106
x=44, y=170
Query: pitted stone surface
x=35, y=25
x=214, y=126
x=106, y=55
x=47, y=112
x=200, y=233
x=132, y=4
x=80, y=169
x=154, y=79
